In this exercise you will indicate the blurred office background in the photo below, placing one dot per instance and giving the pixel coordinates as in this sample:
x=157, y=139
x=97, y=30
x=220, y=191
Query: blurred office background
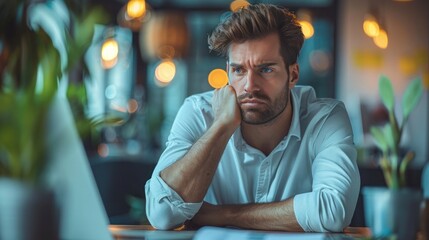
x=159, y=56
x=163, y=57
x=153, y=54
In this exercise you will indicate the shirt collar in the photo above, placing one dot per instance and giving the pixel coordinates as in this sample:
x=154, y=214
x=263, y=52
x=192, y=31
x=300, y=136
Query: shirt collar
x=295, y=126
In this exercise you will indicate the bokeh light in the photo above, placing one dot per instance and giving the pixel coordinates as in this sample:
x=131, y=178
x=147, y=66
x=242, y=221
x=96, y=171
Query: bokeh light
x=371, y=27
x=109, y=50
x=110, y=92
x=136, y=8
x=238, y=4
x=320, y=61
x=133, y=105
x=109, y=53
x=307, y=28
x=165, y=72
x=103, y=150
x=381, y=40
x=218, y=78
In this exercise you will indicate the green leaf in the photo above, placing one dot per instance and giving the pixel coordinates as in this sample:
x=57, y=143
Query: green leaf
x=379, y=138
x=411, y=97
x=403, y=167
x=389, y=136
x=386, y=93
x=394, y=127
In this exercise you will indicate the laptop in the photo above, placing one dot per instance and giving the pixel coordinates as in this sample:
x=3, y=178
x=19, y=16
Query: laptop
x=82, y=213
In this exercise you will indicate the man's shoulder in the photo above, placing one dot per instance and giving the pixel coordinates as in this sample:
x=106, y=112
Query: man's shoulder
x=200, y=101
x=201, y=98
x=311, y=104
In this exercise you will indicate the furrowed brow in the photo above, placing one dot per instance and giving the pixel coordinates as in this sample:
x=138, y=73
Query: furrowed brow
x=266, y=65
x=258, y=66
x=235, y=65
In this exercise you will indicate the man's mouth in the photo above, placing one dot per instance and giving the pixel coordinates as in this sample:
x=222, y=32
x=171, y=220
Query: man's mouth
x=251, y=102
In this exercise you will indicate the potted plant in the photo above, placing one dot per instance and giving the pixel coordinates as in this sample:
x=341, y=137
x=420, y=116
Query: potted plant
x=387, y=209
x=31, y=65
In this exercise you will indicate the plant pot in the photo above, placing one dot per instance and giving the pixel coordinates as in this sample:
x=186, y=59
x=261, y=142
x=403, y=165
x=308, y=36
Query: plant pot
x=392, y=212
x=27, y=212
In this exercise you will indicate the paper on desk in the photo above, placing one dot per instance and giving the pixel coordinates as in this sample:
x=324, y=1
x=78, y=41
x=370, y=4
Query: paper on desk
x=217, y=233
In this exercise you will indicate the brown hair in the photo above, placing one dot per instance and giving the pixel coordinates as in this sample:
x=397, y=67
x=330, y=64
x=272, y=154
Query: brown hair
x=256, y=21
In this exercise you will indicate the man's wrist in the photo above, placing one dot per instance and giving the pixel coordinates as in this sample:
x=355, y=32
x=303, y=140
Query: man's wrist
x=224, y=127
x=228, y=214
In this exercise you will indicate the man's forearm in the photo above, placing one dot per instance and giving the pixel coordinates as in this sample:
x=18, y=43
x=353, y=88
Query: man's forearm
x=191, y=176
x=265, y=216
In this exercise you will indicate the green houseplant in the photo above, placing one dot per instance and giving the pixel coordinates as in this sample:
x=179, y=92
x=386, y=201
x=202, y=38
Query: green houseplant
x=386, y=209
x=30, y=68
x=388, y=137
x=33, y=60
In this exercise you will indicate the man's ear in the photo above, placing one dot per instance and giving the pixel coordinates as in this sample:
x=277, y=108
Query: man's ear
x=293, y=74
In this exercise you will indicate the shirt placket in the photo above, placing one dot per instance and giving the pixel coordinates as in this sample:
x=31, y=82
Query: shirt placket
x=263, y=181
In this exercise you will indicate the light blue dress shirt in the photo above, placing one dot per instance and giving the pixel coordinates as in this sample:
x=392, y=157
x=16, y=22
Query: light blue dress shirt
x=315, y=163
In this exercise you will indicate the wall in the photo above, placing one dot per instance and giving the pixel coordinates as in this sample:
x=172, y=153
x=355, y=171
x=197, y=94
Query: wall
x=406, y=57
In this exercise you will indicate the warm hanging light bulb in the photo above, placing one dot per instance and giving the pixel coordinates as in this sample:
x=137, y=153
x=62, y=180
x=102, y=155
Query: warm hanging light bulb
x=136, y=8
x=307, y=28
x=381, y=40
x=109, y=53
x=371, y=26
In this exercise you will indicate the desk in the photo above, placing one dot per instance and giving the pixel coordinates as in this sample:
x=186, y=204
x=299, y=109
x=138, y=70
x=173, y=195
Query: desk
x=134, y=232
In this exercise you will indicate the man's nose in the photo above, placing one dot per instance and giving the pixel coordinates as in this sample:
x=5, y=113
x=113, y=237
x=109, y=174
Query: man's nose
x=251, y=82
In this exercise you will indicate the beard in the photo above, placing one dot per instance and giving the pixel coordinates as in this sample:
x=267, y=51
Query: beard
x=268, y=111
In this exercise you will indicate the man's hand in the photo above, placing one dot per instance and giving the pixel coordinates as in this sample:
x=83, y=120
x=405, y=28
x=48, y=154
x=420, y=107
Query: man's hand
x=225, y=107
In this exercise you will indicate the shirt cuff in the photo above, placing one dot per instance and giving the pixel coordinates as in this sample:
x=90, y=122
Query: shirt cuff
x=168, y=195
x=304, y=205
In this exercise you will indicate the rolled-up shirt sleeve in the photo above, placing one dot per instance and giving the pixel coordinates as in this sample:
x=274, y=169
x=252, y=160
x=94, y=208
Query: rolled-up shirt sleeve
x=165, y=208
x=329, y=207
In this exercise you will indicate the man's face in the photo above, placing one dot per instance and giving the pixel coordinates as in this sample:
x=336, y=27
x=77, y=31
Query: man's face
x=258, y=74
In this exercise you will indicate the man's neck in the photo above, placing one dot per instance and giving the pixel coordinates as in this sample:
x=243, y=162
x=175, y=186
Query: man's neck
x=266, y=137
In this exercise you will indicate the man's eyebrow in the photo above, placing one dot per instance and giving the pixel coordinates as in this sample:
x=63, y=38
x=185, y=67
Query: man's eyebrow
x=266, y=64
x=235, y=65
x=258, y=66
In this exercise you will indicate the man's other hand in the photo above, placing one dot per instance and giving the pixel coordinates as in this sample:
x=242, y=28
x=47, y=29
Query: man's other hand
x=225, y=107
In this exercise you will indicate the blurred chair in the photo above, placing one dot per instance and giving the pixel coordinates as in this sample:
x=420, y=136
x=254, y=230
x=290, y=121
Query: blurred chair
x=117, y=181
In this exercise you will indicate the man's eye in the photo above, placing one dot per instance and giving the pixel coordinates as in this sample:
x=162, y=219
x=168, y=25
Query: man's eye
x=237, y=70
x=266, y=70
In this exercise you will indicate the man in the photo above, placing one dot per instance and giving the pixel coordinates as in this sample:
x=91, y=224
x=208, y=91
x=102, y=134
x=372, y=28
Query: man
x=259, y=153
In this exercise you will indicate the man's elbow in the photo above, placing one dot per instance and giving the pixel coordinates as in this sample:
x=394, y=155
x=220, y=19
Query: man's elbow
x=335, y=225
x=335, y=217
x=335, y=211
x=161, y=216
x=162, y=223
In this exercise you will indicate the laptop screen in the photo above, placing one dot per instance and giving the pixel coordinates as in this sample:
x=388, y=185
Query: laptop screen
x=82, y=214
